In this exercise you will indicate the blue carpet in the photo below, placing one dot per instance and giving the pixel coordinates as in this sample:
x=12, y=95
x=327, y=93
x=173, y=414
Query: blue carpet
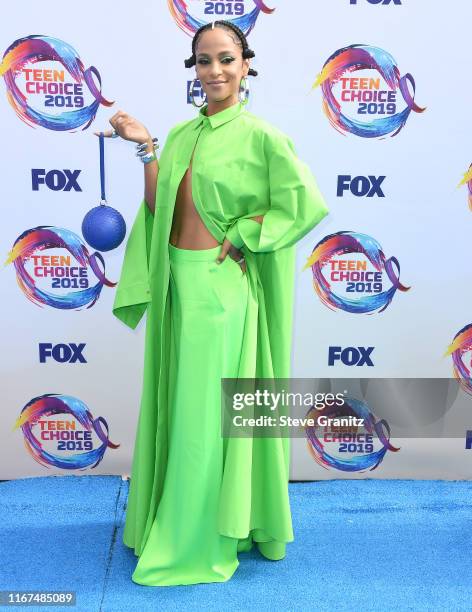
x=360, y=545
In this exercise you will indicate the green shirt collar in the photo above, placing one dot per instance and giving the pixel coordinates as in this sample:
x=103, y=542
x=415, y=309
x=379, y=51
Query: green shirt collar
x=219, y=118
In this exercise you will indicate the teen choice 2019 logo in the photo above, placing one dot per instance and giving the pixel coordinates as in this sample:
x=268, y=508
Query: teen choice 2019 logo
x=192, y=14
x=374, y=102
x=48, y=85
x=467, y=180
x=60, y=431
x=65, y=269
x=459, y=349
x=351, y=273
x=350, y=448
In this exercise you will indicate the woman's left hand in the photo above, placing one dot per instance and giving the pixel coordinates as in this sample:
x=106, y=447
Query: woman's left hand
x=235, y=253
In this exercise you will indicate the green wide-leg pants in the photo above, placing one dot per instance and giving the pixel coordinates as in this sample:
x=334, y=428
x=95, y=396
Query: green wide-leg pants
x=208, y=309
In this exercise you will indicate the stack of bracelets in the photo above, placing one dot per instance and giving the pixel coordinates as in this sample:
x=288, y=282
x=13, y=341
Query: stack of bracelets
x=143, y=156
x=147, y=157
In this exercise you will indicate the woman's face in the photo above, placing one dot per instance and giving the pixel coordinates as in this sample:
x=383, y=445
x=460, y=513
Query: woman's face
x=220, y=65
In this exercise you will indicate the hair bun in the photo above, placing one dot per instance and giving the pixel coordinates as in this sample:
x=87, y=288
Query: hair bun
x=247, y=53
x=252, y=72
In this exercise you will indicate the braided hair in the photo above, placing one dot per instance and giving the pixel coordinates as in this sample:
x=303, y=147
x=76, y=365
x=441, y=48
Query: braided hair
x=242, y=41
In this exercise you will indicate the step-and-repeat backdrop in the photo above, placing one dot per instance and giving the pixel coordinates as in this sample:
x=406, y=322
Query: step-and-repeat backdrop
x=376, y=96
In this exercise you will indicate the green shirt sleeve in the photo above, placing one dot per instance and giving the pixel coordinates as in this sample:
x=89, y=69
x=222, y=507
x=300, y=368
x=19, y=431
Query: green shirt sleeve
x=133, y=291
x=296, y=204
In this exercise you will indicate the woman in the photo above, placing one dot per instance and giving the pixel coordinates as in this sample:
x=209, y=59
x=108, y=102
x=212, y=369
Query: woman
x=210, y=257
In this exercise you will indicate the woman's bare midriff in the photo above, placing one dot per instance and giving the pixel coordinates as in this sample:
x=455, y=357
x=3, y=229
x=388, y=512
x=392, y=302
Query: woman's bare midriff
x=188, y=230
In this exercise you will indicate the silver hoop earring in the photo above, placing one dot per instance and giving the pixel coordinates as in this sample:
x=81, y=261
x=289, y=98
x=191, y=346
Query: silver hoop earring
x=243, y=94
x=190, y=93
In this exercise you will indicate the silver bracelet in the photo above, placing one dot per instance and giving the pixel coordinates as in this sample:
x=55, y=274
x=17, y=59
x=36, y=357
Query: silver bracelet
x=143, y=146
x=148, y=157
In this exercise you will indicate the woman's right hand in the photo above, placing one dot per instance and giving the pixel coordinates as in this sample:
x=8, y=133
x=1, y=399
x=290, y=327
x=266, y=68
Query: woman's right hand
x=128, y=128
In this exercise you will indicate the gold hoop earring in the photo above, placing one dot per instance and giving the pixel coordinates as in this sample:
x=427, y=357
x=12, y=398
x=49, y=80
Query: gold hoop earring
x=191, y=96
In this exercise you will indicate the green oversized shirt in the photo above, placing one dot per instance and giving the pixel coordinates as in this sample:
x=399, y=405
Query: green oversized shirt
x=242, y=167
